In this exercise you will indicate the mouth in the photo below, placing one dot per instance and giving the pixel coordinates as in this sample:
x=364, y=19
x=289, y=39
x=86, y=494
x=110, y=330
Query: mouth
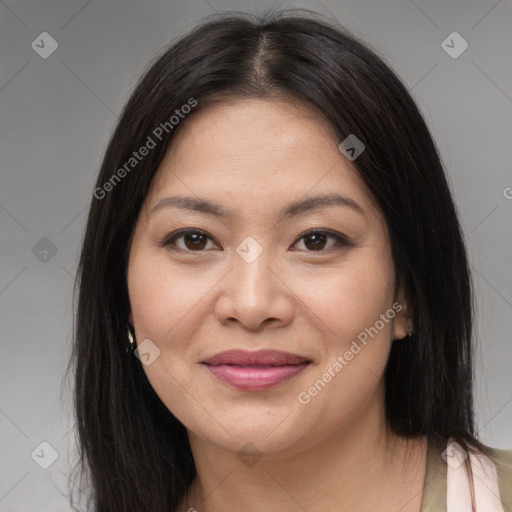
x=255, y=371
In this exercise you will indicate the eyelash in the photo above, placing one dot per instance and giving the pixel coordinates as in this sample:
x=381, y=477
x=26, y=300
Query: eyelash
x=341, y=240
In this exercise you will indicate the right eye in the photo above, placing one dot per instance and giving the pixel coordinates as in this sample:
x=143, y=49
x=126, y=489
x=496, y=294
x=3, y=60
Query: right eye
x=192, y=240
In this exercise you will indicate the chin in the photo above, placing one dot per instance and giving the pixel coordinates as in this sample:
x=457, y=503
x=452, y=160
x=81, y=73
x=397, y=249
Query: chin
x=257, y=428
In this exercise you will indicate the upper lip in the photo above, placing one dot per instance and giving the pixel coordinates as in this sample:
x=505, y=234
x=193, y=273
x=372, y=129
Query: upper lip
x=260, y=357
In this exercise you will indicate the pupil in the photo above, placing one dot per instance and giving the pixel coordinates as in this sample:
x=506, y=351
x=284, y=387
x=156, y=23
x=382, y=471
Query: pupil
x=195, y=241
x=318, y=241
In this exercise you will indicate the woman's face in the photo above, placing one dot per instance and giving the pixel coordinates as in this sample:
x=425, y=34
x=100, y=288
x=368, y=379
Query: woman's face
x=240, y=262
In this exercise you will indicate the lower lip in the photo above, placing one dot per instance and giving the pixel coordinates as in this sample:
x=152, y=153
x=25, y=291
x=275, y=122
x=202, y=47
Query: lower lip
x=254, y=378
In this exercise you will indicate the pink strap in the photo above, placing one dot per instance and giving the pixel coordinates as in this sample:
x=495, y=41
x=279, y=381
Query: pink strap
x=458, y=487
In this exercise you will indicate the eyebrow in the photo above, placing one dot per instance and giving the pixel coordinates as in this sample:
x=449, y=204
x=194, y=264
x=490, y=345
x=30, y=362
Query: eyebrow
x=291, y=210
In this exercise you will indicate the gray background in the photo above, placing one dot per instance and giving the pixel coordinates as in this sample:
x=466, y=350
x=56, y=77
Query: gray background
x=56, y=117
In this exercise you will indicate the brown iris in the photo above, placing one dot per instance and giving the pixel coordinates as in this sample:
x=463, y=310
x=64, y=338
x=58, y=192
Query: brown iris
x=195, y=240
x=315, y=241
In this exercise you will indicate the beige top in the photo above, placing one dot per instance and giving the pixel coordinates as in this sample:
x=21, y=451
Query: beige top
x=434, y=492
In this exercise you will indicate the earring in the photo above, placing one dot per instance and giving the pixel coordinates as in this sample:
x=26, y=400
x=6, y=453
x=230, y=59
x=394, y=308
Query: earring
x=408, y=330
x=130, y=339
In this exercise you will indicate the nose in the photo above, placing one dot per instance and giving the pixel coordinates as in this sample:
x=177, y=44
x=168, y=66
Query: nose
x=254, y=296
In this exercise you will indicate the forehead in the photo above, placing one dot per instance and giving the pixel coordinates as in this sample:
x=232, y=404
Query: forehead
x=264, y=149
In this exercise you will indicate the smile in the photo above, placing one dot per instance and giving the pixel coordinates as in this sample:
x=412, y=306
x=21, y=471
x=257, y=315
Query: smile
x=255, y=370
x=255, y=377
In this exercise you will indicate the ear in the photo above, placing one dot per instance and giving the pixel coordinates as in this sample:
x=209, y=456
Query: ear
x=130, y=318
x=405, y=315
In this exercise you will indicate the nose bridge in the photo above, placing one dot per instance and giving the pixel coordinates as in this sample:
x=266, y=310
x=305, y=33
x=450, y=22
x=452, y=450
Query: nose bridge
x=252, y=276
x=253, y=293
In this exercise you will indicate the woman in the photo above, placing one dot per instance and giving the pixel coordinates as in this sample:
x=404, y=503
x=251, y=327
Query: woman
x=274, y=303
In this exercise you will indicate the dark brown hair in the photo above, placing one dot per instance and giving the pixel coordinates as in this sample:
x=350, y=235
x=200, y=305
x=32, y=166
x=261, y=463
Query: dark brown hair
x=134, y=453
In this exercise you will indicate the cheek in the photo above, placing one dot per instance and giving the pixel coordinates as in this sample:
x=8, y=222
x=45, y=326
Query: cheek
x=349, y=302
x=165, y=299
x=349, y=299
x=169, y=304
x=166, y=304
x=356, y=340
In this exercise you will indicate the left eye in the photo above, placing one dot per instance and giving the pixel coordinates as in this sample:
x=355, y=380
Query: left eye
x=317, y=240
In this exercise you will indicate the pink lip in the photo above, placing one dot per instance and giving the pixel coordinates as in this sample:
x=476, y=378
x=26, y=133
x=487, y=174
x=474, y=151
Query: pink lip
x=254, y=371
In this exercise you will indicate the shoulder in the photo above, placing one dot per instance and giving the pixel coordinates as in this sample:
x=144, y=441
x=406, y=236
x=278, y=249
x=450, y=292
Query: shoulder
x=434, y=489
x=490, y=472
x=502, y=460
x=491, y=475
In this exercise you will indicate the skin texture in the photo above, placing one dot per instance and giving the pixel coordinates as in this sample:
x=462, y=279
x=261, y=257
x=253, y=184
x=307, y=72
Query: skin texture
x=254, y=157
